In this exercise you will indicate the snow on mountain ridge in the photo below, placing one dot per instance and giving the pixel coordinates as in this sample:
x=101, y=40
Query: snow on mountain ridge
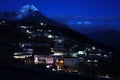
x=27, y=9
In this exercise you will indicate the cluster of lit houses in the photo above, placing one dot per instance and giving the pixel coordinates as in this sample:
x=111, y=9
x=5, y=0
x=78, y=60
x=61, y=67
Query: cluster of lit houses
x=2, y=23
x=43, y=45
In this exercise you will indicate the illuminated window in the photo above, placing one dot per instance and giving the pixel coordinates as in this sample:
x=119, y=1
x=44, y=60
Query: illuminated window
x=41, y=24
x=50, y=36
x=95, y=60
x=98, y=54
x=60, y=41
x=52, y=49
x=18, y=53
x=53, y=69
x=36, y=60
x=61, y=61
x=47, y=66
x=81, y=52
x=105, y=55
x=88, y=60
x=93, y=48
x=28, y=31
x=58, y=54
x=74, y=55
x=19, y=57
x=23, y=27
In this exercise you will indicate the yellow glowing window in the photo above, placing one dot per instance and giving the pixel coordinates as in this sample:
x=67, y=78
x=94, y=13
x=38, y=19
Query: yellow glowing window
x=61, y=61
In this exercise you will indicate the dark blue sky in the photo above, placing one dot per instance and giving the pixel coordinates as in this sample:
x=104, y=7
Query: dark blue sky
x=83, y=8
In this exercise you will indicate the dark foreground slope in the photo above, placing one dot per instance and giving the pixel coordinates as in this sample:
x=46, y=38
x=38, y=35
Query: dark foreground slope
x=25, y=73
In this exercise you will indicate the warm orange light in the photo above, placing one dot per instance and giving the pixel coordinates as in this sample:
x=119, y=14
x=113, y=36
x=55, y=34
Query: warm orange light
x=61, y=61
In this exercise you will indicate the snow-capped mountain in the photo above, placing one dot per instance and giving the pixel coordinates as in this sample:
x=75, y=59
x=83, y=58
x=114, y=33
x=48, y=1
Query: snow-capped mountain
x=17, y=15
x=26, y=10
x=28, y=13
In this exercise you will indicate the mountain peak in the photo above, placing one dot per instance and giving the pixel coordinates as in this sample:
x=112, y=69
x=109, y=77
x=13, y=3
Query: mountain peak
x=27, y=9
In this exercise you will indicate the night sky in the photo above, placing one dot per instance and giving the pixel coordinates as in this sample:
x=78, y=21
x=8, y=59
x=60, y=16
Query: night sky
x=83, y=8
x=84, y=16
